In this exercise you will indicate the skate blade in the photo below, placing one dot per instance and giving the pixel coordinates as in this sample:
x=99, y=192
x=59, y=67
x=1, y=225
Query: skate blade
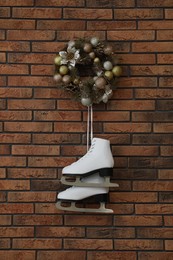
x=73, y=207
x=80, y=183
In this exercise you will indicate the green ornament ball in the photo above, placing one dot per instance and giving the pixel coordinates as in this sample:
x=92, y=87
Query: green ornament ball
x=58, y=60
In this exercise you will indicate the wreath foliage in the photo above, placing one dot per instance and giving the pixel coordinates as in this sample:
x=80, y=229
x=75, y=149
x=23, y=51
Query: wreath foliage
x=88, y=69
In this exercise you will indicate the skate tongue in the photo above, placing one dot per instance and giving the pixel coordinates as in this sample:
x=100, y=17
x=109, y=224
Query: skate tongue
x=94, y=178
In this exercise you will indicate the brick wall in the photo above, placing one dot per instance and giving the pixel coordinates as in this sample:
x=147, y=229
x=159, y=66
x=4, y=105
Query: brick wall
x=42, y=130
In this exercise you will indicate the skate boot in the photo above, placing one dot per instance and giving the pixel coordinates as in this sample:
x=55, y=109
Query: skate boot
x=98, y=159
x=75, y=195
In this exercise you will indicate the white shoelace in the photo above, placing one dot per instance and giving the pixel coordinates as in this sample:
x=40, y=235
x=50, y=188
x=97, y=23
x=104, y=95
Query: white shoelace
x=89, y=126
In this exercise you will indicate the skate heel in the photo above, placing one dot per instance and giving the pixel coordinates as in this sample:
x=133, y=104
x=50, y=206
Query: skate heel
x=106, y=172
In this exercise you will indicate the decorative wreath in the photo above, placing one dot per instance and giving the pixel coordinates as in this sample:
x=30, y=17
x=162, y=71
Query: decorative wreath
x=87, y=68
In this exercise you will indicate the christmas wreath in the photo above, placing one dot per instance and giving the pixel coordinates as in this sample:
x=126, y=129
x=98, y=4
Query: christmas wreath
x=87, y=68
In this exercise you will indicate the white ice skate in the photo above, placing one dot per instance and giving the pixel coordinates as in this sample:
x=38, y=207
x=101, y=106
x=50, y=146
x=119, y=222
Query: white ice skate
x=75, y=195
x=98, y=159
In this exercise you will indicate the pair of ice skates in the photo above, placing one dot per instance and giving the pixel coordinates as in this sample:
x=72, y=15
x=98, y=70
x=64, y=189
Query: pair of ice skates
x=92, y=175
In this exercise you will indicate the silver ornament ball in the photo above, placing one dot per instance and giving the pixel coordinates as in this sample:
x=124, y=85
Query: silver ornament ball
x=86, y=101
x=94, y=41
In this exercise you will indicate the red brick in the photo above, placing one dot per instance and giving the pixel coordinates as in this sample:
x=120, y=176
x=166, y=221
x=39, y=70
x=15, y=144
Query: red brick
x=165, y=174
x=4, y=243
x=4, y=149
x=2, y=196
x=135, y=150
x=168, y=244
x=137, y=59
x=31, y=196
x=12, y=161
x=133, y=197
x=16, y=24
x=138, y=221
x=110, y=232
x=152, y=47
x=37, y=243
x=138, y=244
x=80, y=13
x=118, y=3
x=155, y=233
x=31, y=104
x=15, y=92
x=137, y=82
x=166, y=82
x=13, y=69
x=63, y=255
x=163, y=127
x=131, y=35
x=2, y=57
x=15, y=115
x=49, y=161
x=108, y=25
x=14, y=185
x=47, y=208
x=16, y=3
x=2, y=104
x=28, y=127
x=153, y=139
x=155, y=255
x=153, y=70
x=166, y=151
x=14, y=46
x=95, y=255
x=127, y=127
x=168, y=220
x=126, y=14
x=36, y=35
x=131, y=105
x=17, y=254
x=2, y=37
x=164, y=35
x=154, y=3
x=16, y=208
x=60, y=232
x=153, y=185
x=153, y=209
x=28, y=173
x=5, y=12
x=41, y=70
x=57, y=116
x=16, y=231
x=22, y=220
x=72, y=128
x=29, y=81
x=47, y=46
x=2, y=173
x=2, y=81
x=102, y=244
x=50, y=93
x=61, y=25
x=15, y=138
x=54, y=13
x=30, y=58
x=73, y=150
x=67, y=35
x=168, y=13
x=155, y=25
x=60, y=3
x=5, y=220
x=165, y=58
x=35, y=150
x=56, y=138
x=88, y=220
x=151, y=116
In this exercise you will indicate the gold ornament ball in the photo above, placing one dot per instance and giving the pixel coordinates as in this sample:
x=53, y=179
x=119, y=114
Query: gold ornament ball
x=58, y=78
x=117, y=71
x=57, y=60
x=92, y=55
x=108, y=50
x=109, y=74
x=96, y=60
x=87, y=47
x=63, y=70
x=100, y=83
x=66, y=79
